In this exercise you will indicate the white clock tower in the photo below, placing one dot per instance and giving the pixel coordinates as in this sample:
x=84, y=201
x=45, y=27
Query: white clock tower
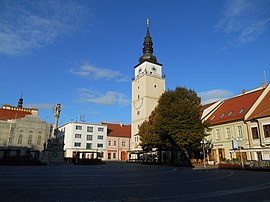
x=147, y=86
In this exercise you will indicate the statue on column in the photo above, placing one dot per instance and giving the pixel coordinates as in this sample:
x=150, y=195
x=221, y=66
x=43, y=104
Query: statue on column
x=56, y=110
x=53, y=152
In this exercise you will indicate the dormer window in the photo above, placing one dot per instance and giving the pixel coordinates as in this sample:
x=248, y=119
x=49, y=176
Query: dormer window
x=230, y=113
x=241, y=111
x=222, y=115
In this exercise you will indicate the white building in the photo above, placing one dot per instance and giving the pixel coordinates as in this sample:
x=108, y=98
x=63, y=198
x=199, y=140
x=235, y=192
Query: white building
x=22, y=129
x=83, y=137
x=147, y=87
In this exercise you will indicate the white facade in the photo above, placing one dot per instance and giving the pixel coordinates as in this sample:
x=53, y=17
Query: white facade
x=83, y=137
x=147, y=87
x=28, y=132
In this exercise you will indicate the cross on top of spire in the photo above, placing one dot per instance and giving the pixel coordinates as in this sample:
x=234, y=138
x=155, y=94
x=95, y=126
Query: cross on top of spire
x=147, y=22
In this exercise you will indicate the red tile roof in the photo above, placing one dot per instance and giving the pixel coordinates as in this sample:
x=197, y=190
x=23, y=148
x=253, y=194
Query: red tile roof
x=6, y=114
x=118, y=130
x=235, y=108
x=263, y=108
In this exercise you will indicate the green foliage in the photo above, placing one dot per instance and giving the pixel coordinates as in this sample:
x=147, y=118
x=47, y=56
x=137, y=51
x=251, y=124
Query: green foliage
x=175, y=123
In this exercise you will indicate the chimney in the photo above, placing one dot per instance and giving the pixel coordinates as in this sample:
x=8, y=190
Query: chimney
x=244, y=91
x=263, y=85
x=121, y=123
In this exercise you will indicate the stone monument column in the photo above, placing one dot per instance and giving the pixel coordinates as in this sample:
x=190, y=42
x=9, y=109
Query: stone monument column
x=56, y=110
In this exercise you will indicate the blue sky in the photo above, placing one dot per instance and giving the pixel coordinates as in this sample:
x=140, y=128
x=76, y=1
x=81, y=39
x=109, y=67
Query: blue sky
x=82, y=53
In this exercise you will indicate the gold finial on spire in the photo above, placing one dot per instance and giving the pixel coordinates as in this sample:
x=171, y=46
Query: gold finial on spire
x=147, y=22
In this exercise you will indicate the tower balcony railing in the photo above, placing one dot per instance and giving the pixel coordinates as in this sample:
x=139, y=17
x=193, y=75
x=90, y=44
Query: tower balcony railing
x=150, y=74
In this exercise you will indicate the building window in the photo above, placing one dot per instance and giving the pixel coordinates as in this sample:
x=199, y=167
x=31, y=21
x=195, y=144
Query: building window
x=100, y=137
x=39, y=140
x=78, y=127
x=230, y=113
x=10, y=139
x=241, y=111
x=77, y=144
x=240, y=133
x=109, y=155
x=266, y=130
x=114, y=143
x=217, y=134
x=78, y=135
x=100, y=145
x=20, y=139
x=110, y=143
x=12, y=130
x=114, y=155
x=222, y=115
x=255, y=134
x=88, y=145
x=29, y=142
x=123, y=143
x=138, y=112
x=228, y=133
x=89, y=129
x=89, y=137
x=100, y=129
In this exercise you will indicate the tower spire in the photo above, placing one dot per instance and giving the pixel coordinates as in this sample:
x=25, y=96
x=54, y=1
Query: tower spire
x=148, y=46
x=20, y=102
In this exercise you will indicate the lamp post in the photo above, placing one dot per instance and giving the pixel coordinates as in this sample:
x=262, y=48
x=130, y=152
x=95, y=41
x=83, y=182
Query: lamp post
x=203, y=141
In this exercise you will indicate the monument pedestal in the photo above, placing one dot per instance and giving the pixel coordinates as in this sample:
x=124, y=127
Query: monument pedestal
x=53, y=153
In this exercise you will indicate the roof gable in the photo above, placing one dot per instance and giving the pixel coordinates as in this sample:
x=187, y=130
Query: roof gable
x=118, y=130
x=263, y=108
x=235, y=108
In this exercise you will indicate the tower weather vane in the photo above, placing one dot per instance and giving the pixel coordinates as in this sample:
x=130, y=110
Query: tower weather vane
x=147, y=22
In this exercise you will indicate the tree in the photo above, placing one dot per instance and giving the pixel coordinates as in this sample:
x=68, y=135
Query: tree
x=175, y=123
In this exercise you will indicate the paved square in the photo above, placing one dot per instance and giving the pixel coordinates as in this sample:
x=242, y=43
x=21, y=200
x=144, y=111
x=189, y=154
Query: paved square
x=119, y=181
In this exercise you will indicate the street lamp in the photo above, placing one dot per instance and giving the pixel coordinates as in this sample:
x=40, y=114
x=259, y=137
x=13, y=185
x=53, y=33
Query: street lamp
x=203, y=142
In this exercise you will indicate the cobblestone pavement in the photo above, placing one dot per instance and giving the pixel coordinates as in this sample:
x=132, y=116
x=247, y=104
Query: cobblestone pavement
x=120, y=181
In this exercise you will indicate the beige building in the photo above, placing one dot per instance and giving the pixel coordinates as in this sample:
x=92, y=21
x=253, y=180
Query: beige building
x=230, y=126
x=21, y=128
x=147, y=87
x=258, y=126
x=118, y=141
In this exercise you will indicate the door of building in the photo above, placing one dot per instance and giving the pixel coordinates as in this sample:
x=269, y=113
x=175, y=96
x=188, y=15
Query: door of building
x=123, y=156
x=220, y=155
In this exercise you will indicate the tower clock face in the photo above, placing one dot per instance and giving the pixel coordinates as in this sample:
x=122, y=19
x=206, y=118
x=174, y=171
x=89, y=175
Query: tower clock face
x=138, y=103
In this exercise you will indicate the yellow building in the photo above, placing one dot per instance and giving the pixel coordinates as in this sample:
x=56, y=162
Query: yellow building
x=231, y=125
